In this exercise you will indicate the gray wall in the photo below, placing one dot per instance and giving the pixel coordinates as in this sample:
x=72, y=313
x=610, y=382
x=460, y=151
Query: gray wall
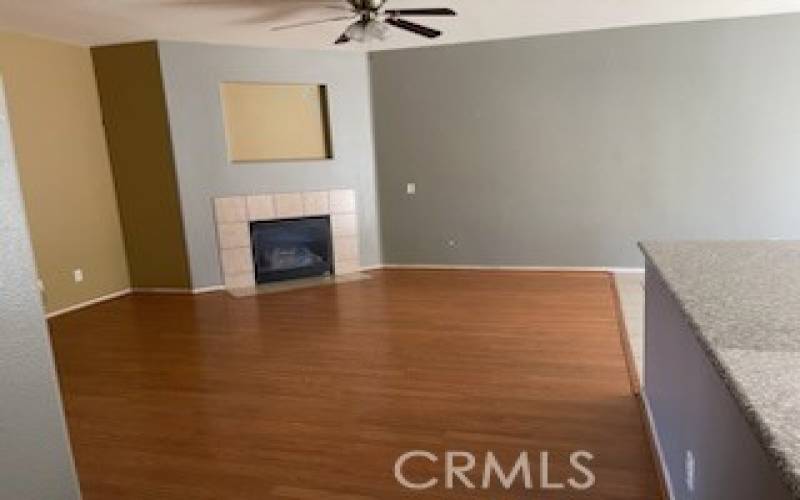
x=565, y=150
x=694, y=411
x=35, y=457
x=192, y=75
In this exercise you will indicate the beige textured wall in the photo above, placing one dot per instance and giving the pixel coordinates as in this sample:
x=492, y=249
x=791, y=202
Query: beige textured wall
x=64, y=168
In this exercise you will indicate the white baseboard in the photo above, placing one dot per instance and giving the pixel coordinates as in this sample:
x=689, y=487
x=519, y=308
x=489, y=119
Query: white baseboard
x=560, y=269
x=164, y=290
x=373, y=267
x=208, y=289
x=128, y=291
x=88, y=303
x=662, y=463
x=179, y=291
x=628, y=270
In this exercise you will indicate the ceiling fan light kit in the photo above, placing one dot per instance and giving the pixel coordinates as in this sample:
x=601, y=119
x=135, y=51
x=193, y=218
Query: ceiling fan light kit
x=362, y=31
x=372, y=21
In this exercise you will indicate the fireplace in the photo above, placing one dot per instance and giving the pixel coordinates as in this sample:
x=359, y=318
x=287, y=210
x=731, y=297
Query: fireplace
x=291, y=248
x=239, y=217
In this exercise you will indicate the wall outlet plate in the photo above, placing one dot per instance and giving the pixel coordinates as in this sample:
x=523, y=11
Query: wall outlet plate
x=78, y=275
x=411, y=188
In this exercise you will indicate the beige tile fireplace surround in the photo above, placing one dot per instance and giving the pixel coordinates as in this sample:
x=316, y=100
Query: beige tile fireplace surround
x=234, y=214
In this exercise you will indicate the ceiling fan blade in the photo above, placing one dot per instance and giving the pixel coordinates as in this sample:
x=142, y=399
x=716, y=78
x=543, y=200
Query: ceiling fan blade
x=311, y=23
x=413, y=27
x=343, y=38
x=247, y=3
x=346, y=8
x=420, y=12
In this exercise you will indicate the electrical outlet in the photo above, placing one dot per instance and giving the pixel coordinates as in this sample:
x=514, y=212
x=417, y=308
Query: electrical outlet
x=78, y=275
x=411, y=188
x=691, y=472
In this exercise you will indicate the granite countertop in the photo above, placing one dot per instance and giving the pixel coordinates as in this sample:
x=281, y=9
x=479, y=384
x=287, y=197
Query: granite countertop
x=742, y=299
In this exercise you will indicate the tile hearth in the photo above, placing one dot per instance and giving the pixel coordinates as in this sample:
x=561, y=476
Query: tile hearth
x=234, y=214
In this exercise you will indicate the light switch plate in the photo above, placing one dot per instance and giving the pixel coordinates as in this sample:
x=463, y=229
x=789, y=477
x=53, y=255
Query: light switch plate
x=411, y=188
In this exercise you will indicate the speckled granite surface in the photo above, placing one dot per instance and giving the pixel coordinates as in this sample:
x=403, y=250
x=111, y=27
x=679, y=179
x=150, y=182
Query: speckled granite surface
x=743, y=302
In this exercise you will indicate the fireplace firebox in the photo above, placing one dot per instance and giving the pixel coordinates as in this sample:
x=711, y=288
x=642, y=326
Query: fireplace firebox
x=291, y=248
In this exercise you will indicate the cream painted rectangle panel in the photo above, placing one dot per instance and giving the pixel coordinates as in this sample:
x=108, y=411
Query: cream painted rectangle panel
x=269, y=122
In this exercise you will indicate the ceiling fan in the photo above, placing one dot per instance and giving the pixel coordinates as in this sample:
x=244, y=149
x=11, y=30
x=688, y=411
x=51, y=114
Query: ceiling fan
x=371, y=20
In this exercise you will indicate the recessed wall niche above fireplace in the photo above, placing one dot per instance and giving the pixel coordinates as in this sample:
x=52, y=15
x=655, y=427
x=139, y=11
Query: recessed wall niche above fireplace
x=297, y=224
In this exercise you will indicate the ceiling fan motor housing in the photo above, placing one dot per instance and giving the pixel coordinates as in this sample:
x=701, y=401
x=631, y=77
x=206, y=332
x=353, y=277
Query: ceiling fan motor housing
x=370, y=5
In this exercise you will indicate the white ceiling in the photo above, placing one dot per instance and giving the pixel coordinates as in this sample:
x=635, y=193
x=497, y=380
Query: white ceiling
x=247, y=22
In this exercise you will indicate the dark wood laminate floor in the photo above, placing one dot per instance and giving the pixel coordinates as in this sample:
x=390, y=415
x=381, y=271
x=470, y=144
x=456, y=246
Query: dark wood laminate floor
x=313, y=394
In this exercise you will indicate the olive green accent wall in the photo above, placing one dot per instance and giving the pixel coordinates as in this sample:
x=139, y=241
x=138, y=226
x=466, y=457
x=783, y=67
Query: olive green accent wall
x=64, y=169
x=137, y=131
